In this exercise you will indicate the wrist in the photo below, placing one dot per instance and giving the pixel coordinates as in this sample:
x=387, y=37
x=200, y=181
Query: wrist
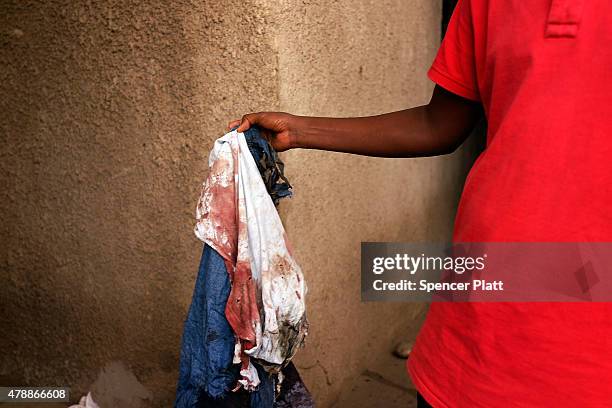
x=298, y=132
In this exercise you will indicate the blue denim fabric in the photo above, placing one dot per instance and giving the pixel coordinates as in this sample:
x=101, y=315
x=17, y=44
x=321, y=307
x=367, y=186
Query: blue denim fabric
x=208, y=340
x=269, y=165
x=208, y=343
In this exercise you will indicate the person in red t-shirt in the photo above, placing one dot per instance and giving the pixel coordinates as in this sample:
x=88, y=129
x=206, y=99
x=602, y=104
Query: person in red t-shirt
x=541, y=73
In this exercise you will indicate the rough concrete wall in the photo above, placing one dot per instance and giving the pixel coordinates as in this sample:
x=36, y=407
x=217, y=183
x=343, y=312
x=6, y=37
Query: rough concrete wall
x=107, y=112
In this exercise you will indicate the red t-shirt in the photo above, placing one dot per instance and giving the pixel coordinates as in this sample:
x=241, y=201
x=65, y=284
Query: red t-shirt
x=543, y=72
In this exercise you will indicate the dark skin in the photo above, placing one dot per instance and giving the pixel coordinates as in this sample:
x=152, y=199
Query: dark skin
x=437, y=128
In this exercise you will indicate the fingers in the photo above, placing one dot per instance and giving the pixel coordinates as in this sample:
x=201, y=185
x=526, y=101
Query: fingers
x=247, y=121
x=243, y=124
x=250, y=119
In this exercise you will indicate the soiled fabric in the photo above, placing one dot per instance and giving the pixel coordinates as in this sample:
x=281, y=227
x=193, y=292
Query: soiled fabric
x=237, y=217
x=270, y=166
x=207, y=373
x=208, y=340
x=293, y=392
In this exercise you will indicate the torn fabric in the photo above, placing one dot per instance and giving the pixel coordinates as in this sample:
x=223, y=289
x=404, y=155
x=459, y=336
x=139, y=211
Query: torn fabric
x=236, y=216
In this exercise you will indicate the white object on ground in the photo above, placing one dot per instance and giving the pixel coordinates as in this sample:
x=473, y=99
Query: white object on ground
x=86, y=401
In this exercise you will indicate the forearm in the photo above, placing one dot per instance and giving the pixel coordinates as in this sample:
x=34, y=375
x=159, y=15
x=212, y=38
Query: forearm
x=429, y=130
x=397, y=134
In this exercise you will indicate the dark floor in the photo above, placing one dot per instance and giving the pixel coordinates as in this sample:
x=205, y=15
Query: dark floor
x=384, y=384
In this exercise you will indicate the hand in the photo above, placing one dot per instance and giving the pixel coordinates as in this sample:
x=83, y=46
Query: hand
x=279, y=128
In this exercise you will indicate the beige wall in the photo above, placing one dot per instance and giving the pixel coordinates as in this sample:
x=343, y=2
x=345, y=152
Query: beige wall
x=108, y=110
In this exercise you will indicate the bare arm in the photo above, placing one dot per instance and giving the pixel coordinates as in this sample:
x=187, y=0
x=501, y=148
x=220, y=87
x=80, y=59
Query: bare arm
x=433, y=129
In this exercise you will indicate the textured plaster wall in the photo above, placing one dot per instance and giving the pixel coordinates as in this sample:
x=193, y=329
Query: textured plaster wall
x=107, y=112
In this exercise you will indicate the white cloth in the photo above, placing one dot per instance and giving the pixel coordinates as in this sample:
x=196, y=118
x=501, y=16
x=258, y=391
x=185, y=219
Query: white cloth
x=236, y=216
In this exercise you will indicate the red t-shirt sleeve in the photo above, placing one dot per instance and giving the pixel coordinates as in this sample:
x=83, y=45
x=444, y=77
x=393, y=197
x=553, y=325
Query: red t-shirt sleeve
x=454, y=68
